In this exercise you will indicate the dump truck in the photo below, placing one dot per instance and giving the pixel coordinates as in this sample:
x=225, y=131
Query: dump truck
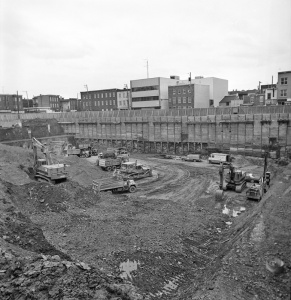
x=114, y=185
x=44, y=168
x=134, y=170
x=109, y=164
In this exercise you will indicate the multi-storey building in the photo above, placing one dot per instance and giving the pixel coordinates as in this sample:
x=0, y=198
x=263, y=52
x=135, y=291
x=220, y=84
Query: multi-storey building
x=188, y=96
x=47, y=101
x=151, y=93
x=231, y=100
x=284, y=87
x=123, y=99
x=10, y=102
x=99, y=100
x=68, y=104
x=218, y=88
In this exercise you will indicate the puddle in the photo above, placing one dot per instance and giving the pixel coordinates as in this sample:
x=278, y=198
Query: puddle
x=127, y=267
x=233, y=212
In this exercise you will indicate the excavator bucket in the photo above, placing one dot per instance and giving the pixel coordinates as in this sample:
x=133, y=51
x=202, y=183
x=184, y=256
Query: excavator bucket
x=219, y=195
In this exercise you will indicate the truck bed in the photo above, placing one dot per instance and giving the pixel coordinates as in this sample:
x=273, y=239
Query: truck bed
x=108, y=184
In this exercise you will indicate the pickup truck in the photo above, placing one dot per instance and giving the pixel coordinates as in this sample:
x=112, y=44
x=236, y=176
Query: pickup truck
x=114, y=185
x=192, y=157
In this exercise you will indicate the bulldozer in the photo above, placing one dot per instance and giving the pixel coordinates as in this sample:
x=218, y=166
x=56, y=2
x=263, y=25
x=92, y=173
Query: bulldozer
x=44, y=168
x=234, y=179
x=134, y=170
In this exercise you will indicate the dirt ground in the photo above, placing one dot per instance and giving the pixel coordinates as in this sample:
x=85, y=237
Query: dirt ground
x=169, y=240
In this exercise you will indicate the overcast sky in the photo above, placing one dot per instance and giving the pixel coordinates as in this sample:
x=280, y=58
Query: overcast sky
x=58, y=46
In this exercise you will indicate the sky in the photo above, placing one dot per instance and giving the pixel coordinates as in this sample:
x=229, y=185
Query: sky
x=59, y=46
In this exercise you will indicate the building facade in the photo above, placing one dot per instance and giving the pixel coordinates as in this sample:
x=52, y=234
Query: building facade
x=11, y=103
x=188, y=96
x=284, y=87
x=123, y=99
x=70, y=104
x=218, y=88
x=231, y=100
x=99, y=100
x=151, y=93
x=51, y=102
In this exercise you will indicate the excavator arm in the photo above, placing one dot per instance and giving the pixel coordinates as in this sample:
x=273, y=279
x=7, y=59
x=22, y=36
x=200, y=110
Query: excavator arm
x=38, y=145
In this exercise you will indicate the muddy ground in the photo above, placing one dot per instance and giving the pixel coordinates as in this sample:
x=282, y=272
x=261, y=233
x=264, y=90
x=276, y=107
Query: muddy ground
x=169, y=240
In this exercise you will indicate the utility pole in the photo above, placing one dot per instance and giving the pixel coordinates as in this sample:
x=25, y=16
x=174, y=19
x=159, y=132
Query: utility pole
x=147, y=68
x=17, y=105
x=86, y=86
x=260, y=86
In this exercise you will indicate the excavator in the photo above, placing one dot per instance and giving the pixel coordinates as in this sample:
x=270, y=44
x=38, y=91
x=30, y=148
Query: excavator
x=260, y=186
x=234, y=179
x=43, y=168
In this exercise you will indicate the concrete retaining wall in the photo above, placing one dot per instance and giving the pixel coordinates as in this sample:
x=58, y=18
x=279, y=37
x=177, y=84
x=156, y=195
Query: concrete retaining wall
x=251, y=131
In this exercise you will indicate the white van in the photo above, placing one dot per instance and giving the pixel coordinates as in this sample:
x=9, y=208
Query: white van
x=217, y=158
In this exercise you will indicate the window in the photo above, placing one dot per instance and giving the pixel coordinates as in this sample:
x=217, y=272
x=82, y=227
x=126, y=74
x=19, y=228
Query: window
x=179, y=92
x=179, y=99
x=189, y=106
x=184, y=99
x=283, y=93
x=110, y=102
x=189, y=100
x=102, y=96
x=94, y=96
x=184, y=91
x=102, y=102
x=170, y=100
x=269, y=96
x=109, y=94
x=124, y=103
x=113, y=102
x=113, y=94
x=189, y=91
x=284, y=80
x=98, y=103
x=95, y=103
x=120, y=103
x=174, y=92
x=105, y=95
x=90, y=96
x=174, y=100
x=145, y=88
x=98, y=95
x=227, y=103
x=106, y=102
x=124, y=95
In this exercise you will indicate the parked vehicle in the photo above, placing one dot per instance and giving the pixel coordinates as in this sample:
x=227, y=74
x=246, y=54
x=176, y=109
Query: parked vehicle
x=217, y=158
x=192, y=157
x=72, y=150
x=114, y=185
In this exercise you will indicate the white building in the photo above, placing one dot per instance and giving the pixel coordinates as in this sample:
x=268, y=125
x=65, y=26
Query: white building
x=151, y=93
x=123, y=99
x=218, y=88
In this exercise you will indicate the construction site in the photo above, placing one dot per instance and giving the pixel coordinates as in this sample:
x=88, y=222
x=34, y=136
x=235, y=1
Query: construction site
x=134, y=205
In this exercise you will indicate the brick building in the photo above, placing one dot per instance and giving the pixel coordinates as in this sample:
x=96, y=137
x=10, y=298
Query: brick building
x=188, y=96
x=68, y=104
x=101, y=100
x=47, y=101
x=10, y=102
x=123, y=99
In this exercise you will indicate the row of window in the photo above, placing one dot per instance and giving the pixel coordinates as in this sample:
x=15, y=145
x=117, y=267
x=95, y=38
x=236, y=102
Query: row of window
x=284, y=80
x=53, y=99
x=99, y=103
x=145, y=88
x=145, y=98
x=181, y=91
x=55, y=105
x=122, y=103
x=99, y=95
x=182, y=107
x=180, y=99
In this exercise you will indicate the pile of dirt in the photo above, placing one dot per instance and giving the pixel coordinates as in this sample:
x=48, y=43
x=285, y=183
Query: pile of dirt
x=51, y=277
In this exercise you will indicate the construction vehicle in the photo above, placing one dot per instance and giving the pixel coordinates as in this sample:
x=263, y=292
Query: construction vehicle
x=134, y=170
x=110, y=164
x=259, y=187
x=234, y=179
x=43, y=168
x=114, y=185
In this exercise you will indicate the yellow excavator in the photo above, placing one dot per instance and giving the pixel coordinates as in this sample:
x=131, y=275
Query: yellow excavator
x=43, y=168
x=234, y=179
